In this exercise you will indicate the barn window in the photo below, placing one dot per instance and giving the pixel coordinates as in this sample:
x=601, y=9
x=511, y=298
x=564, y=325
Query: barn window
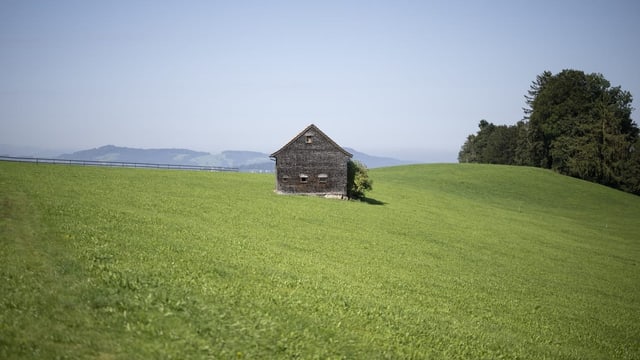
x=309, y=139
x=285, y=178
x=304, y=178
x=322, y=178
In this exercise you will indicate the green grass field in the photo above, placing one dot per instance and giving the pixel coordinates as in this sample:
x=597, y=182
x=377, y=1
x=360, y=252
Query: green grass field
x=443, y=261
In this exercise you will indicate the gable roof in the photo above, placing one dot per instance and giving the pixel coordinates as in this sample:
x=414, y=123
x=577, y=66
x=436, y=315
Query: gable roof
x=312, y=127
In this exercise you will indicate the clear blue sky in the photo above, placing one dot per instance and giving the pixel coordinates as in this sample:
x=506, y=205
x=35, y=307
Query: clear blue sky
x=399, y=78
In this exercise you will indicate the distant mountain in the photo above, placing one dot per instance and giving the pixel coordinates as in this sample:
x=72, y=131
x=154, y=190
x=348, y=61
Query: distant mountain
x=29, y=151
x=154, y=156
x=244, y=160
x=375, y=161
x=247, y=161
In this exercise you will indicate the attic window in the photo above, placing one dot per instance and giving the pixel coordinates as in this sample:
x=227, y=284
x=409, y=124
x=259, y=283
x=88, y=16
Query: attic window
x=322, y=178
x=309, y=139
x=304, y=178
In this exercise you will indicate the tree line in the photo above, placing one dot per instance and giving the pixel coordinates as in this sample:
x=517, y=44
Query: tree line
x=575, y=123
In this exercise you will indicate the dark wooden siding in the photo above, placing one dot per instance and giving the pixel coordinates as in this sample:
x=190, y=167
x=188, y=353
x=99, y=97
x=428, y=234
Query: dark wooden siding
x=315, y=166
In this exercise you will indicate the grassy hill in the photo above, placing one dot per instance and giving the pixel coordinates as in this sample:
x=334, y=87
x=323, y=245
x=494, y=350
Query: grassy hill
x=445, y=261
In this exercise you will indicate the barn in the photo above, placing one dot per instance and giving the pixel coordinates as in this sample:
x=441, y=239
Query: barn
x=312, y=163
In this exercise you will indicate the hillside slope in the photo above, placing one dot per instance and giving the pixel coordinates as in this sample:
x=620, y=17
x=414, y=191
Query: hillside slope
x=444, y=261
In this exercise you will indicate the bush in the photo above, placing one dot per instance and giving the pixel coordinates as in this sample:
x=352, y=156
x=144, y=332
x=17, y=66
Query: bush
x=358, y=181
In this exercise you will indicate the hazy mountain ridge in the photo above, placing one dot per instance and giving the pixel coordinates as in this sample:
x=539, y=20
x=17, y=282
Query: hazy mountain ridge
x=250, y=161
x=134, y=155
x=375, y=161
x=30, y=151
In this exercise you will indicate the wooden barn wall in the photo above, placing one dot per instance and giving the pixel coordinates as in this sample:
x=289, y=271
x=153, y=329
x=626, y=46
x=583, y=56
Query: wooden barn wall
x=318, y=157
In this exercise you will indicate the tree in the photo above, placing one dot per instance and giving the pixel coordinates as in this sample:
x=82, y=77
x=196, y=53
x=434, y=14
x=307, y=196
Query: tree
x=358, y=181
x=469, y=151
x=493, y=144
x=576, y=124
x=522, y=152
x=473, y=149
x=581, y=126
x=631, y=180
x=501, y=145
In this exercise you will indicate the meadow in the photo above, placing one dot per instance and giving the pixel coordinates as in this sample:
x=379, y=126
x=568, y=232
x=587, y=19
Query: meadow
x=442, y=262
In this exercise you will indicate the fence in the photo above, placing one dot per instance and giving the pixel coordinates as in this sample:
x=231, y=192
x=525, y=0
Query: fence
x=116, y=164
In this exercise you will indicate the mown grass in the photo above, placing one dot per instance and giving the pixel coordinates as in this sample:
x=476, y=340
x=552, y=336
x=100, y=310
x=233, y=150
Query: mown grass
x=454, y=261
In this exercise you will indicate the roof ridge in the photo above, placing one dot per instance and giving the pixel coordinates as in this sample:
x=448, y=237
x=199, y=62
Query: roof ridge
x=305, y=130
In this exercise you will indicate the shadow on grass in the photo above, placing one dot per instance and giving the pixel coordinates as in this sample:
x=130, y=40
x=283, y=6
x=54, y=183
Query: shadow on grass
x=371, y=201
